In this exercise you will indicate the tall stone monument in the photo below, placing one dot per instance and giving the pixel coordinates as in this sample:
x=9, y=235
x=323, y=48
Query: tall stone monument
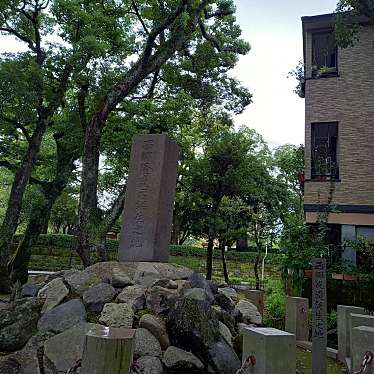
x=319, y=333
x=149, y=202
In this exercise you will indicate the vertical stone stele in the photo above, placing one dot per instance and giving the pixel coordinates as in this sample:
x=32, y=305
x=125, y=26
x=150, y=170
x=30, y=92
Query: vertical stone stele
x=273, y=350
x=319, y=311
x=297, y=317
x=108, y=350
x=149, y=201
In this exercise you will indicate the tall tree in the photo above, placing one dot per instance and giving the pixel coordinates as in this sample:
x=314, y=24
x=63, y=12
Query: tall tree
x=226, y=169
x=165, y=28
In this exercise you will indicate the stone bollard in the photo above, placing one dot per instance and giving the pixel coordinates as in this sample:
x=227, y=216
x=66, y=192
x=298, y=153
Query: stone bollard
x=108, y=350
x=363, y=341
x=343, y=329
x=297, y=317
x=274, y=350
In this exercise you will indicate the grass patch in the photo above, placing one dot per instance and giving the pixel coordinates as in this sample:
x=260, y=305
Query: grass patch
x=304, y=363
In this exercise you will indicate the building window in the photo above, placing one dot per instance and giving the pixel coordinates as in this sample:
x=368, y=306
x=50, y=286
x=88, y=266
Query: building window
x=324, y=151
x=324, y=54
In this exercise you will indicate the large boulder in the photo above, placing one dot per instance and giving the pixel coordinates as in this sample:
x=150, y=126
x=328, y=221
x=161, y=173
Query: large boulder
x=146, y=344
x=224, y=301
x=52, y=294
x=196, y=280
x=117, y=315
x=63, y=351
x=18, y=322
x=198, y=294
x=134, y=296
x=25, y=361
x=79, y=281
x=158, y=299
x=63, y=317
x=223, y=358
x=249, y=311
x=30, y=290
x=148, y=365
x=225, y=332
x=120, y=278
x=193, y=325
x=97, y=296
x=22, y=362
x=229, y=292
x=157, y=327
x=225, y=317
x=179, y=361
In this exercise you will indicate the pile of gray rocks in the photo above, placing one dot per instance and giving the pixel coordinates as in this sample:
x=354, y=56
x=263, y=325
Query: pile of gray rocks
x=184, y=324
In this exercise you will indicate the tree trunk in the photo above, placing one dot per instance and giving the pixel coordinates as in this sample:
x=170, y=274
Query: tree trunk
x=224, y=264
x=257, y=276
x=209, y=258
x=18, y=265
x=88, y=213
x=20, y=182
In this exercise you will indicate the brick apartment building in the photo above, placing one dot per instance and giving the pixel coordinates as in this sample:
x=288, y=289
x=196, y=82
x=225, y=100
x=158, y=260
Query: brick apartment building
x=339, y=129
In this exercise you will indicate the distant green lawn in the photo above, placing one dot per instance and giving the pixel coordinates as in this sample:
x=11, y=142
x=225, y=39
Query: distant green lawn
x=239, y=272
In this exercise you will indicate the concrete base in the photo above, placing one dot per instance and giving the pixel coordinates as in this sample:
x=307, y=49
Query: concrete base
x=344, y=330
x=363, y=341
x=274, y=350
x=297, y=317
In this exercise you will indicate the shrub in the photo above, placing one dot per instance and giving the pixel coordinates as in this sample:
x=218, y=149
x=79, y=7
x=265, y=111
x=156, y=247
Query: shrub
x=275, y=305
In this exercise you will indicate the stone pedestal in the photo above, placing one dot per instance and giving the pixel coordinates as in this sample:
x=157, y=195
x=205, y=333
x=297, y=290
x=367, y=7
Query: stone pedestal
x=274, y=350
x=149, y=202
x=297, y=317
x=344, y=330
x=362, y=341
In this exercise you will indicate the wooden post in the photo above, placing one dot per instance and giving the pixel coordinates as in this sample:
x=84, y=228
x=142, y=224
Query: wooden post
x=108, y=350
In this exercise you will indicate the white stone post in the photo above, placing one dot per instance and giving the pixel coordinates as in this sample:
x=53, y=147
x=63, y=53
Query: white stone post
x=274, y=350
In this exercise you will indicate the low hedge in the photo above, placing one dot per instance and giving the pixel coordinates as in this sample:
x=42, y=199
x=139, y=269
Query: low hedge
x=62, y=245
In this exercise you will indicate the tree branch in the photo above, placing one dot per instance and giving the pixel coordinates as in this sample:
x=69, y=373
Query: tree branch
x=115, y=210
x=209, y=37
x=17, y=125
x=9, y=30
x=139, y=16
x=13, y=168
x=153, y=84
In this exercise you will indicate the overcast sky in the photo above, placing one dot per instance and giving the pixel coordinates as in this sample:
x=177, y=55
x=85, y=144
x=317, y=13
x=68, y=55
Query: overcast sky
x=273, y=28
